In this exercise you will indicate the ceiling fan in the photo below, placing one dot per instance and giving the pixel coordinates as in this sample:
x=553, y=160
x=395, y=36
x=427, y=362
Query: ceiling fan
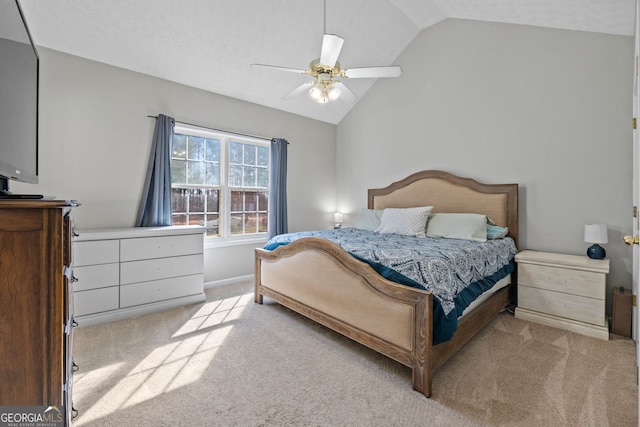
x=326, y=85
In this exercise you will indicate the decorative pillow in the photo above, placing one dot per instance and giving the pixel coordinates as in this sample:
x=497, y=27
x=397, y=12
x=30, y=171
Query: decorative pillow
x=405, y=221
x=458, y=226
x=495, y=232
x=369, y=219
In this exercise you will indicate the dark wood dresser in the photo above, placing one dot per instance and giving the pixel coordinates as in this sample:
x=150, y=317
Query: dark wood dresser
x=36, y=311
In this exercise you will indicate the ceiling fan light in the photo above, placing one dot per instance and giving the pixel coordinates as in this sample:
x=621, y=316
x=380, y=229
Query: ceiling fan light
x=333, y=93
x=316, y=91
x=324, y=97
x=319, y=93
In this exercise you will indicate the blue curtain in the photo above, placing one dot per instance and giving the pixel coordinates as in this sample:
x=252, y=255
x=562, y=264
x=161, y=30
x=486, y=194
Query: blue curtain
x=278, y=187
x=155, y=204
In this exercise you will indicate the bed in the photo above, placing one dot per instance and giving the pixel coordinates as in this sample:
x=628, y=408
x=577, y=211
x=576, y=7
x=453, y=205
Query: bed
x=320, y=280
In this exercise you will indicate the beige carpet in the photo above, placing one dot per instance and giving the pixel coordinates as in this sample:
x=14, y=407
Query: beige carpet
x=230, y=362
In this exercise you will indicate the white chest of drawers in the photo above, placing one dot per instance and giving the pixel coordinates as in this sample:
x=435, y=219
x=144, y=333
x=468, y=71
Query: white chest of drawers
x=125, y=272
x=564, y=291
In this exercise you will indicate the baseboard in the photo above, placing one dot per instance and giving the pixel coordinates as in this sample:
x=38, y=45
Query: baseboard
x=139, y=310
x=230, y=281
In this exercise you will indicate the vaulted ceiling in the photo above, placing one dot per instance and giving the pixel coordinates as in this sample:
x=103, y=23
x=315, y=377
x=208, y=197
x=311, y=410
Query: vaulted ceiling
x=210, y=44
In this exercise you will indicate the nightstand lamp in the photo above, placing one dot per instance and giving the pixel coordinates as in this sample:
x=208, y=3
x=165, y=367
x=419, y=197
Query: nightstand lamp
x=596, y=233
x=337, y=220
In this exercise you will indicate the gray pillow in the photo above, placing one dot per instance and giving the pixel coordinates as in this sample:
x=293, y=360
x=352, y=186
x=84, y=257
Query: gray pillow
x=405, y=221
x=458, y=226
x=369, y=219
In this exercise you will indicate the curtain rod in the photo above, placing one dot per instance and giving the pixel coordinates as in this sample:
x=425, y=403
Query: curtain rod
x=219, y=130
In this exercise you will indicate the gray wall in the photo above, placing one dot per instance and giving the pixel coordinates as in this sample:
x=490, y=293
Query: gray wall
x=548, y=109
x=95, y=138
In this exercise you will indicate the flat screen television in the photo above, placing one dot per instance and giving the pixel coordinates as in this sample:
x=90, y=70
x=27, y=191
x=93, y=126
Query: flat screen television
x=19, y=74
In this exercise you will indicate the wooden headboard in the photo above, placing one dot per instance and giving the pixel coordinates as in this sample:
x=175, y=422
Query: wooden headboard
x=450, y=193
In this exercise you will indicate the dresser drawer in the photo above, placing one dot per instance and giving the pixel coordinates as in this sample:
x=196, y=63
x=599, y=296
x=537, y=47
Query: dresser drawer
x=160, y=247
x=96, y=276
x=96, y=252
x=160, y=268
x=574, y=307
x=96, y=300
x=160, y=290
x=567, y=281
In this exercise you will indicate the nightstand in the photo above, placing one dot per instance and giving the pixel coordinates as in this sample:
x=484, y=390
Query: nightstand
x=563, y=291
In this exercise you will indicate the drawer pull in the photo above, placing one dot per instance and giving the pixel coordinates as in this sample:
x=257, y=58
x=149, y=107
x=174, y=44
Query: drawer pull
x=75, y=367
x=73, y=278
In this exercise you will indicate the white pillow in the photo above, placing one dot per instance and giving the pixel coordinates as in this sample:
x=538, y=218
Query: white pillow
x=405, y=221
x=458, y=226
x=369, y=219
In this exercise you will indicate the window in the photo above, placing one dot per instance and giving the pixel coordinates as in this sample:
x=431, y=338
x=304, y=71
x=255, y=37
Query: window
x=221, y=181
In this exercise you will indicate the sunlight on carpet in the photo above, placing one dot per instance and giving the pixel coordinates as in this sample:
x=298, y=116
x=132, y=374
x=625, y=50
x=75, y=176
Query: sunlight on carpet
x=165, y=367
x=214, y=313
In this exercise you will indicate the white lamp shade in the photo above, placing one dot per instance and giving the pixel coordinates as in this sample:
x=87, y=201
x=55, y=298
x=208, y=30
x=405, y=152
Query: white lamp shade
x=596, y=233
x=337, y=217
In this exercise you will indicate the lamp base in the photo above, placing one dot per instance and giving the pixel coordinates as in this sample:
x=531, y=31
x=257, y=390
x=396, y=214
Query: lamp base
x=596, y=251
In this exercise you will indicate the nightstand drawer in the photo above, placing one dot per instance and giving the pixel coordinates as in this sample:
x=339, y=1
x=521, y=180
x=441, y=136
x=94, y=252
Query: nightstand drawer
x=568, y=281
x=574, y=307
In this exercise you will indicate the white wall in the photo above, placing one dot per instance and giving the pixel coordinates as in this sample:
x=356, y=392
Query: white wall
x=548, y=109
x=95, y=138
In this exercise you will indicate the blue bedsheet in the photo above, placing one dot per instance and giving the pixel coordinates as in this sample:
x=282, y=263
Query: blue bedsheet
x=456, y=271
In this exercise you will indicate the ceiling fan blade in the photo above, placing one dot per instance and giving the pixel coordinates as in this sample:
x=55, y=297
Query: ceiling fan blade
x=373, y=72
x=345, y=93
x=331, y=47
x=290, y=70
x=300, y=89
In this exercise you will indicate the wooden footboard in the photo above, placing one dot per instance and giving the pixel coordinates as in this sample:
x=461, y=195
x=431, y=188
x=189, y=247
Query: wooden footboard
x=321, y=281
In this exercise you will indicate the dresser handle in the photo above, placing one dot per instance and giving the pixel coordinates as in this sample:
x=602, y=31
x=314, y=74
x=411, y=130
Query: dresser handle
x=74, y=367
x=73, y=278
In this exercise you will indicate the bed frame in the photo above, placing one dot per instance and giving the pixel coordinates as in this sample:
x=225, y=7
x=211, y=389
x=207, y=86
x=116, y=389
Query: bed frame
x=321, y=281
